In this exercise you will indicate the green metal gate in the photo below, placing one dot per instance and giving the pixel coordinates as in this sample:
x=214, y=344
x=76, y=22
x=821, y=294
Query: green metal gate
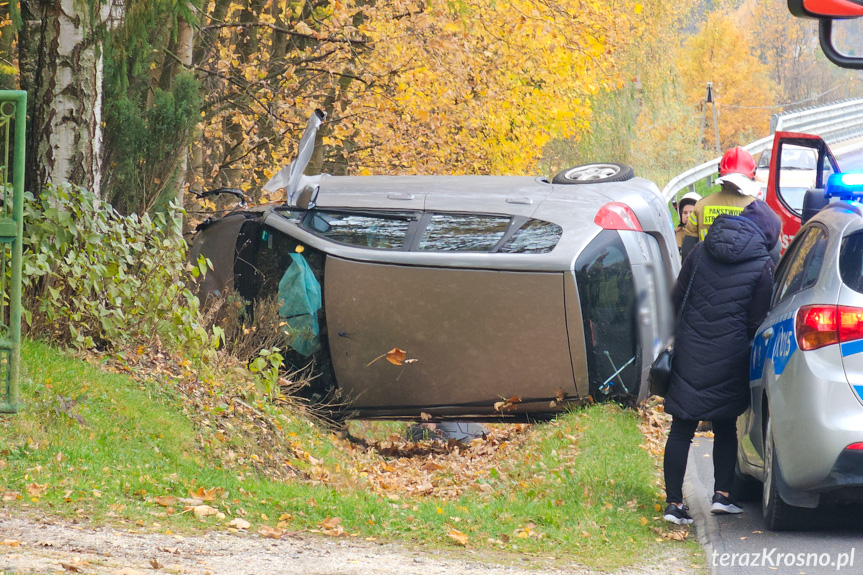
x=13, y=118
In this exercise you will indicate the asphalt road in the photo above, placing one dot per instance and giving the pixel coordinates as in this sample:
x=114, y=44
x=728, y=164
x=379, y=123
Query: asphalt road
x=850, y=160
x=830, y=540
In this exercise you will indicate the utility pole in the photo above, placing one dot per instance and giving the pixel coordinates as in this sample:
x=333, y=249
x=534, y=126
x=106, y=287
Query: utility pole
x=710, y=98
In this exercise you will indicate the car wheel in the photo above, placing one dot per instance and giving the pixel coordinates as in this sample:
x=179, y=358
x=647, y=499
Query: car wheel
x=778, y=515
x=745, y=488
x=595, y=174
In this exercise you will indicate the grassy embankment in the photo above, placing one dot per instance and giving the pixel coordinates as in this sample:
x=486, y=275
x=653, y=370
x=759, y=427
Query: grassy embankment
x=95, y=446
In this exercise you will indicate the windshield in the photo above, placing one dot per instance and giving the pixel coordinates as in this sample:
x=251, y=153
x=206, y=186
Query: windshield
x=793, y=158
x=798, y=158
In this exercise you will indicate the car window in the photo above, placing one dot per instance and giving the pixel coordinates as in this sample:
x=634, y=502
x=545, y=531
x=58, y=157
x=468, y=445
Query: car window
x=801, y=271
x=463, y=233
x=796, y=158
x=826, y=171
x=851, y=262
x=798, y=170
x=534, y=237
x=764, y=158
x=382, y=231
x=606, y=292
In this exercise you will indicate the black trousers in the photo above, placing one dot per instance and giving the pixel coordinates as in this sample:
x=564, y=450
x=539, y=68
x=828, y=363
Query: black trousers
x=677, y=452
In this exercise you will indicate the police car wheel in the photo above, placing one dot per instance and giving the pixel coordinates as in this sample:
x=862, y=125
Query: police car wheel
x=595, y=174
x=778, y=515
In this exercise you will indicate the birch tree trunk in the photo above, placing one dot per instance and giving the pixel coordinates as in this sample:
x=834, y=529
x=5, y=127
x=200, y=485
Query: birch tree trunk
x=66, y=140
x=185, y=51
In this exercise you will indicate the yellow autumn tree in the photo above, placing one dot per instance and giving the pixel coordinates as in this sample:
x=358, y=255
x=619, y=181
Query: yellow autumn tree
x=433, y=87
x=721, y=53
x=666, y=138
x=800, y=71
x=478, y=86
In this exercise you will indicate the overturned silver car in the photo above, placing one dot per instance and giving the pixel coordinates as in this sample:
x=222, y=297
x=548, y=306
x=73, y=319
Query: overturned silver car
x=457, y=296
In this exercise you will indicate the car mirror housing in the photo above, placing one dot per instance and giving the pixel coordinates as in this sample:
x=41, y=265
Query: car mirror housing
x=828, y=11
x=307, y=197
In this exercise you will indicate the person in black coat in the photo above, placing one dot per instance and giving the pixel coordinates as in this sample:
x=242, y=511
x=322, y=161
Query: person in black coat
x=732, y=282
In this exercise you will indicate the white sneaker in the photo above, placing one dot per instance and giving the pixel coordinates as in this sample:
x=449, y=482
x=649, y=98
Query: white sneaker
x=724, y=505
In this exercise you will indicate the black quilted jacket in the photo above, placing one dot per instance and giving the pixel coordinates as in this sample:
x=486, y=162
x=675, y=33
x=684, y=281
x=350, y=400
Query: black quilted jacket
x=728, y=300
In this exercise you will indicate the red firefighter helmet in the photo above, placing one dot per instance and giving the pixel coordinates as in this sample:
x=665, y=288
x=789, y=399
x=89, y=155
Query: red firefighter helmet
x=737, y=161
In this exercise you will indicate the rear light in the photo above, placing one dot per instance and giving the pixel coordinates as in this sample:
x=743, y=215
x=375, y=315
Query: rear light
x=617, y=216
x=850, y=323
x=816, y=326
x=821, y=325
x=855, y=446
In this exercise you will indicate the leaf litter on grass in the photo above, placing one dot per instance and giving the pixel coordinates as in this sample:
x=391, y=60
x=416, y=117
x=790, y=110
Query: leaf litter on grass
x=252, y=437
x=443, y=470
x=391, y=468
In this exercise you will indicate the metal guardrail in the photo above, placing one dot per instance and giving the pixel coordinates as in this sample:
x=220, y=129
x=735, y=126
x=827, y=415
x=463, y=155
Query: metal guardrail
x=13, y=118
x=835, y=122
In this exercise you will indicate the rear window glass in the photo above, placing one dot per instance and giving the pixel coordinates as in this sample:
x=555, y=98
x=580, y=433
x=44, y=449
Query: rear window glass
x=463, y=233
x=851, y=262
x=382, y=231
x=534, y=237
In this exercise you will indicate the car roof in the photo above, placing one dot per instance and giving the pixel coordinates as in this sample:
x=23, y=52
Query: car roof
x=840, y=217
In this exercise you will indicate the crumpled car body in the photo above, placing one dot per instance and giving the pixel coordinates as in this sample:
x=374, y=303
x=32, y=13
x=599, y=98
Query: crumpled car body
x=510, y=296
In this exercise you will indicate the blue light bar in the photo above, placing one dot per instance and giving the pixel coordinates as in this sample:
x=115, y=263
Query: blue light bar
x=847, y=186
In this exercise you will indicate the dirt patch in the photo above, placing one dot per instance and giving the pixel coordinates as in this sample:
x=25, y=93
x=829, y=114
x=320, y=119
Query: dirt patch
x=49, y=546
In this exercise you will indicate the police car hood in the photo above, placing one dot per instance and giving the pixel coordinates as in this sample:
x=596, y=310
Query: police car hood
x=734, y=239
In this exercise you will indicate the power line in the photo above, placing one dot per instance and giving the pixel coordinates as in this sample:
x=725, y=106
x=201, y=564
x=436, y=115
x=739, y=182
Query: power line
x=809, y=99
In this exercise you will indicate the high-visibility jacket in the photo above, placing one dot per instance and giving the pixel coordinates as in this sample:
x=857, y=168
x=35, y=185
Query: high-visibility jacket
x=725, y=201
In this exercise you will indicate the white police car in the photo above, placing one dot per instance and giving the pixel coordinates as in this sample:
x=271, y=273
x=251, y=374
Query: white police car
x=803, y=435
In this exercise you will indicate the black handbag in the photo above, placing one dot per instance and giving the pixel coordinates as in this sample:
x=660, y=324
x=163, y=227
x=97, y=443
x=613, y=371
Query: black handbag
x=659, y=377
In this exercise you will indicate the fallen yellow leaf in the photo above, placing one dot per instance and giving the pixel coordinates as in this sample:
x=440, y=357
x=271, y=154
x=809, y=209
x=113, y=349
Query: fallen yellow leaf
x=458, y=537
x=396, y=356
x=239, y=523
x=271, y=532
x=202, y=510
x=332, y=526
x=206, y=494
x=35, y=490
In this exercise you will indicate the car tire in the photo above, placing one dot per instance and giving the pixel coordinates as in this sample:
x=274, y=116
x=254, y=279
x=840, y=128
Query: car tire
x=595, y=174
x=778, y=515
x=745, y=488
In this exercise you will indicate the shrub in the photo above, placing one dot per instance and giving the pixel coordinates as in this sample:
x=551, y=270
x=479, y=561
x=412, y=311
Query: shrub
x=96, y=278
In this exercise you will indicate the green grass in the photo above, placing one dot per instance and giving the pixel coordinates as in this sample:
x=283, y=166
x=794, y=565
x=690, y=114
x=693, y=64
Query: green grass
x=582, y=489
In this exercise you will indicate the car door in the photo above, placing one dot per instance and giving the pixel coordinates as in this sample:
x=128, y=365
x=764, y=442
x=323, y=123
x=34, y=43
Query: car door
x=798, y=162
x=472, y=335
x=775, y=341
x=851, y=298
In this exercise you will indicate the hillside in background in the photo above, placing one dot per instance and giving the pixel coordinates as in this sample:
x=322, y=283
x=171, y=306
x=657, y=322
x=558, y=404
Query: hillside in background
x=760, y=59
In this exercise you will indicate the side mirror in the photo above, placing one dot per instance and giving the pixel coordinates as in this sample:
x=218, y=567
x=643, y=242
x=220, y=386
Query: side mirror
x=828, y=11
x=306, y=198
